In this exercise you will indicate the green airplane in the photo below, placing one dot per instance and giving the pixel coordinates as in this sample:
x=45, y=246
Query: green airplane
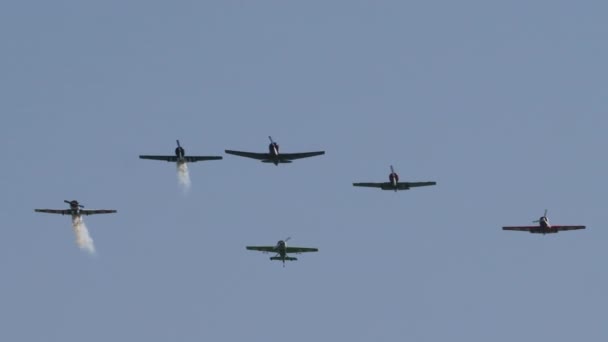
x=281, y=249
x=394, y=183
x=273, y=155
x=180, y=156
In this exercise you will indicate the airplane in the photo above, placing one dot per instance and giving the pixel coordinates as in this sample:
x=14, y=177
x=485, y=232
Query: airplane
x=180, y=156
x=273, y=155
x=76, y=210
x=543, y=227
x=281, y=249
x=394, y=184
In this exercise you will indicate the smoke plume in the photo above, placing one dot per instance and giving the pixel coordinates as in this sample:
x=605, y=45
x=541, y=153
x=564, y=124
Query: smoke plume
x=183, y=176
x=83, y=239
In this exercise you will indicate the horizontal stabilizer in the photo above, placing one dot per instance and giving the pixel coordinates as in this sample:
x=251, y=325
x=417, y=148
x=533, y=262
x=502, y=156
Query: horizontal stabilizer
x=281, y=259
x=281, y=161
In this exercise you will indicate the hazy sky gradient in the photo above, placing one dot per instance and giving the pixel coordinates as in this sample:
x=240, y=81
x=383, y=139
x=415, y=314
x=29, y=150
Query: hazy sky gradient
x=502, y=103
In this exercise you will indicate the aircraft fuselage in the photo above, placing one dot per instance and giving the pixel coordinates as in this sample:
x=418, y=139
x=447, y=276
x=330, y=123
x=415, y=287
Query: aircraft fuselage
x=281, y=249
x=273, y=152
x=544, y=223
x=394, y=179
x=180, y=153
x=544, y=227
x=74, y=208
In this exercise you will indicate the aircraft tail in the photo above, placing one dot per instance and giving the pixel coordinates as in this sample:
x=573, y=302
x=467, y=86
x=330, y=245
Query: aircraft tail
x=281, y=161
x=281, y=259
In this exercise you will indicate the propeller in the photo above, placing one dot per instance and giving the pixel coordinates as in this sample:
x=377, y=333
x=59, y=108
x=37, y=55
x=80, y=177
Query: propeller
x=283, y=241
x=392, y=170
x=70, y=203
x=271, y=141
x=178, y=143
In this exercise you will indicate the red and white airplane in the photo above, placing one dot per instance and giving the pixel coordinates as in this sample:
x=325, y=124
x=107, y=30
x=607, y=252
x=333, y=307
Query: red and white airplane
x=76, y=210
x=394, y=184
x=544, y=227
x=273, y=155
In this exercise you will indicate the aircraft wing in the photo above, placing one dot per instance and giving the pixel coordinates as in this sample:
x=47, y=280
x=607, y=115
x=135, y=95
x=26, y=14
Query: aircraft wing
x=165, y=158
x=537, y=229
x=560, y=228
x=294, y=156
x=300, y=250
x=373, y=185
x=262, y=248
x=96, y=211
x=522, y=228
x=54, y=211
x=258, y=156
x=407, y=185
x=193, y=159
x=389, y=186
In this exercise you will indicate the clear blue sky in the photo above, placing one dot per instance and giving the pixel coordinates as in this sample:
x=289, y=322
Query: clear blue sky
x=503, y=103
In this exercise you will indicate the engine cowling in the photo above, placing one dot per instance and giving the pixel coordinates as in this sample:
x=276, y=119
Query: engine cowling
x=273, y=147
x=179, y=151
x=393, y=177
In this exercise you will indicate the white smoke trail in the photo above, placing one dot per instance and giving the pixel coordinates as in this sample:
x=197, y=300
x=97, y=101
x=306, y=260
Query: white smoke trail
x=83, y=239
x=183, y=176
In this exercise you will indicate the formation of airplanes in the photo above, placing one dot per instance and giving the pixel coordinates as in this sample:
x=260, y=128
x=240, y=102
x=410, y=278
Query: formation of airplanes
x=76, y=210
